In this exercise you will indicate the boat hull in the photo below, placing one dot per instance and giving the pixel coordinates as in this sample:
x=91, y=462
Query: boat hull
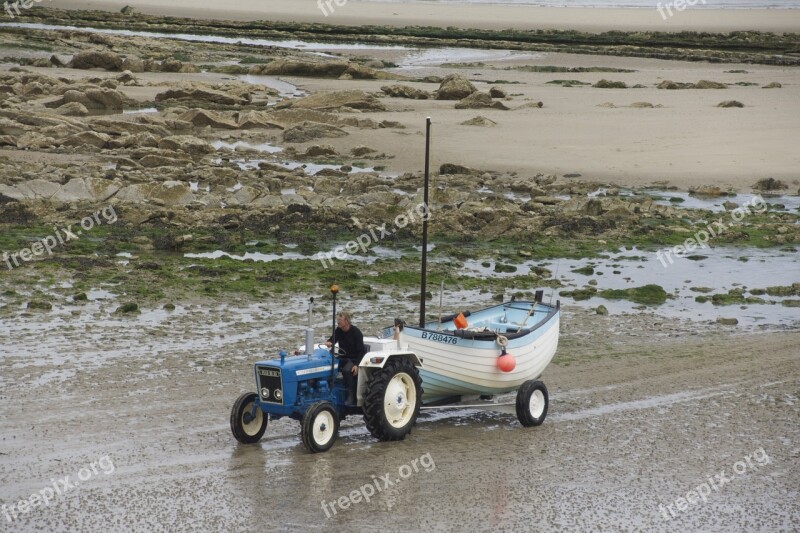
x=457, y=366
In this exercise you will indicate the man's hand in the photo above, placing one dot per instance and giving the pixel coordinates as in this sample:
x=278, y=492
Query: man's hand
x=328, y=344
x=354, y=371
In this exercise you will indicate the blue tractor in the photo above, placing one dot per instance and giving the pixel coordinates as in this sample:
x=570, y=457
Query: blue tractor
x=308, y=388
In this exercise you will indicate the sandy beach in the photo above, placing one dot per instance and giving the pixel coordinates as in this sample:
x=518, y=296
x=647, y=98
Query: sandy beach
x=465, y=16
x=687, y=141
x=680, y=138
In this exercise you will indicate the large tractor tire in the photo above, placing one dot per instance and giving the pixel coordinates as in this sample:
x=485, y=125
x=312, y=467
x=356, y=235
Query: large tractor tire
x=392, y=400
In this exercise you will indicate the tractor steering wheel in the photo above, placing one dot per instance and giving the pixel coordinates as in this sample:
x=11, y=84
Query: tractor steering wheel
x=339, y=352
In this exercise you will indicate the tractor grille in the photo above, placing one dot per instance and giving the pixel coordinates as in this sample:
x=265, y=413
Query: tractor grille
x=270, y=387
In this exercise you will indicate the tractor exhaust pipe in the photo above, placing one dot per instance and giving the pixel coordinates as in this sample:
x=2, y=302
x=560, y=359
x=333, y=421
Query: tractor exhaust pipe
x=310, y=329
x=334, y=292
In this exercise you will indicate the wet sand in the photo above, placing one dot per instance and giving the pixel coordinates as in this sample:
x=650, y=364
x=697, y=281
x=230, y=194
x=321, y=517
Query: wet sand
x=489, y=16
x=636, y=420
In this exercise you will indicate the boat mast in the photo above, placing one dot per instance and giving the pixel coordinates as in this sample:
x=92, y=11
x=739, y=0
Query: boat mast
x=424, y=280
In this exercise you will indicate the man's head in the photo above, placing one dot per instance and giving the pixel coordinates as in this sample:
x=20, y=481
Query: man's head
x=344, y=319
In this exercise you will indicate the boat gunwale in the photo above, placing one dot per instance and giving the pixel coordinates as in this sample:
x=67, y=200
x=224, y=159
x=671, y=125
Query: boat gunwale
x=554, y=310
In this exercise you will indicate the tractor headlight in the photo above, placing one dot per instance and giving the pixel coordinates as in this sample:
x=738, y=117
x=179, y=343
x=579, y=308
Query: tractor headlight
x=265, y=393
x=278, y=394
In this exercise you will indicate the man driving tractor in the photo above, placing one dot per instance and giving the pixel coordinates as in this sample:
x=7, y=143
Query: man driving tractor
x=351, y=350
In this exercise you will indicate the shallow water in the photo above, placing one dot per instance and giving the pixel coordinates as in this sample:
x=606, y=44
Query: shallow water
x=436, y=56
x=284, y=88
x=293, y=44
x=376, y=252
x=261, y=147
x=709, y=203
x=309, y=169
x=721, y=270
x=145, y=110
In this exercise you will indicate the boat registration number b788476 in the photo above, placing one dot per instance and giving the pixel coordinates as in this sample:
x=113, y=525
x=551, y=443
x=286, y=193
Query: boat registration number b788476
x=447, y=339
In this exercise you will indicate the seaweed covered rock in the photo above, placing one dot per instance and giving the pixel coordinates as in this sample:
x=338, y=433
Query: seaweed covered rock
x=404, y=91
x=96, y=59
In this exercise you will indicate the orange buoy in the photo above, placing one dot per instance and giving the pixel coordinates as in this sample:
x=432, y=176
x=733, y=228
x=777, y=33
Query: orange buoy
x=506, y=362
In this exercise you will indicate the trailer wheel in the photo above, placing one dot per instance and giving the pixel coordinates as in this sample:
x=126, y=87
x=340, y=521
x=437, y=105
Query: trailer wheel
x=320, y=427
x=246, y=427
x=532, y=403
x=392, y=400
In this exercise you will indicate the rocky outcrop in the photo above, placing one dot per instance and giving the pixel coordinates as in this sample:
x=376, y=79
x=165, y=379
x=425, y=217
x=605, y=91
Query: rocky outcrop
x=705, y=84
x=480, y=121
x=479, y=100
x=770, y=184
x=329, y=69
x=105, y=99
x=119, y=126
x=702, y=84
x=404, y=91
x=292, y=116
x=318, y=150
x=339, y=99
x=91, y=138
x=74, y=190
x=96, y=59
x=608, y=84
x=201, y=118
x=455, y=87
x=308, y=131
x=188, y=144
x=361, y=151
x=256, y=119
x=72, y=109
x=452, y=168
x=199, y=94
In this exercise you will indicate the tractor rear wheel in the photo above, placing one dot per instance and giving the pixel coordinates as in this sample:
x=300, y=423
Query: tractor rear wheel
x=245, y=426
x=392, y=400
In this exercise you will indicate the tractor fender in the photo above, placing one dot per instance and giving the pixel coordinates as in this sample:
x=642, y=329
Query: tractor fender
x=373, y=362
x=376, y=360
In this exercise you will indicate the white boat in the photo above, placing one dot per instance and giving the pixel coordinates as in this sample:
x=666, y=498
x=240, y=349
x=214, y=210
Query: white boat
x=464, y=362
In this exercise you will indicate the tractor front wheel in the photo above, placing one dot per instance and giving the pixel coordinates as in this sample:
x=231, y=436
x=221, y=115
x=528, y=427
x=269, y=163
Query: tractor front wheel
x=320, y=427
x=392, y=400
x=247, y=427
